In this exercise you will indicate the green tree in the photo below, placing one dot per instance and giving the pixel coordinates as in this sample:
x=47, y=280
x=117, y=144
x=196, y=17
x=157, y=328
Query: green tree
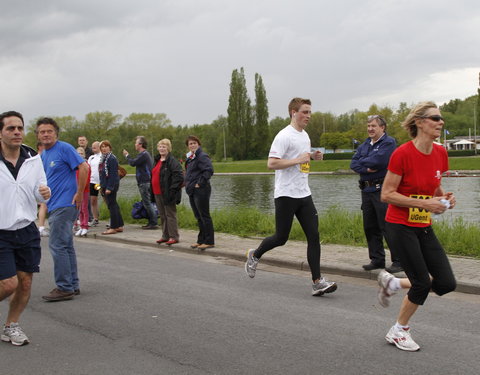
x=335, y=140
x=260, y=144
x=239, y=117
x=275, y=125
x=100, y=124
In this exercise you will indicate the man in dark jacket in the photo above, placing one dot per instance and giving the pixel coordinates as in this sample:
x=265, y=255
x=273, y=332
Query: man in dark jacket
x=144, y=163
x=371, y=162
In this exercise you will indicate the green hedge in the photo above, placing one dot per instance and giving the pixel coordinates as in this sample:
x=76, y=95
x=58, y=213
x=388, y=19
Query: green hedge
x=453, y=153
x=338, y=156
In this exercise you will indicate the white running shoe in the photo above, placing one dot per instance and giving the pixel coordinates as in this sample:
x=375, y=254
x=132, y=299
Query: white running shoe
x=251, y=263
x=384, y=292
x=14, y=334
x=83, y=232
x=323, y=286
x=78, y=232
x=401, y=339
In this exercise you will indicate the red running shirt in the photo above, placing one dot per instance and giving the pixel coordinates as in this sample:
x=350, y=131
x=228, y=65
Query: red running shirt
x=421, y=176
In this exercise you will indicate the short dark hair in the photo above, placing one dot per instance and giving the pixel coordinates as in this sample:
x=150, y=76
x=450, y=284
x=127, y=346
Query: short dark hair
x=47, y=121
x=192, y=138
x=142, y=141
x=4, y=115
x=106, y=143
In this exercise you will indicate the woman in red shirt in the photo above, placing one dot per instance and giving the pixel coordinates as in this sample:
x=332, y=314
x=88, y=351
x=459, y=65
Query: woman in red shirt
x=413, y=189
x=167, y=181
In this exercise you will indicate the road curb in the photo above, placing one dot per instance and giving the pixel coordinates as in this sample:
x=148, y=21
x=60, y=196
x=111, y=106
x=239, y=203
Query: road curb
x=329, y=268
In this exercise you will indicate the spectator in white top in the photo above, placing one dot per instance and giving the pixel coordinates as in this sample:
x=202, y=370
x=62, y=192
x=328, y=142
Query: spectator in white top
x=94, y=162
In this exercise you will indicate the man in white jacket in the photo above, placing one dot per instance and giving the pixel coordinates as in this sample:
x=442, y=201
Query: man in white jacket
x=23, y=185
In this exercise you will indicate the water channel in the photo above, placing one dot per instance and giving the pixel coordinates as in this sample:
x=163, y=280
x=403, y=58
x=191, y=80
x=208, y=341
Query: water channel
x=327, y=191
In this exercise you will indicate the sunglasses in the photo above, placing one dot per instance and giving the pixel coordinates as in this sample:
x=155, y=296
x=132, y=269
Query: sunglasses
x=436, y=118
x=375, y=117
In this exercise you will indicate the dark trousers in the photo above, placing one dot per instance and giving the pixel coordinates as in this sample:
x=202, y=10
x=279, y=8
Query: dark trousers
x=374, y=211
x=422, y=256
x=304, y=209
x=200, y=203
x=116, y=220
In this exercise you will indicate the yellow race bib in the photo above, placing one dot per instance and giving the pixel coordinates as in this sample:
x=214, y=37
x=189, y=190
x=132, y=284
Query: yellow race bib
x=419, y=215
x=305, y=167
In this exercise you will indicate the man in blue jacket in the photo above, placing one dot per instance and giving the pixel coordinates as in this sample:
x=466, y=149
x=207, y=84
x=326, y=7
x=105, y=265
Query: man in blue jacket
x=144, y=164
x=371, y=162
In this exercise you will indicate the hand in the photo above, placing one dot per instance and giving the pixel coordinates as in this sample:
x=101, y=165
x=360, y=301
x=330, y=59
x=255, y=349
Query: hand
x=304, y=158
x=125, y=153
x=371, y=170
x=77, y=200
x=451, y=198
x=108, y=191
x=434, y=205
x=44, y=191
x=197, y=185
x=317, y=155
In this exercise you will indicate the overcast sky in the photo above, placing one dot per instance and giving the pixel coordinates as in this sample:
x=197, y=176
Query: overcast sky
x=71, y=57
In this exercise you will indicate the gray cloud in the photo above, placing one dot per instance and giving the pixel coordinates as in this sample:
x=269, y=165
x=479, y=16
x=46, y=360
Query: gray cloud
x=74, y=57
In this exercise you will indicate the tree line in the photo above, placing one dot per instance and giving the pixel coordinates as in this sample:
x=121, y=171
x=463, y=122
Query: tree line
x=246, y=132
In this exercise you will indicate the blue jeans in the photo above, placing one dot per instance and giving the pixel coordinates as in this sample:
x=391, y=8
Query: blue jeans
x=61, y=247
x=146, y=195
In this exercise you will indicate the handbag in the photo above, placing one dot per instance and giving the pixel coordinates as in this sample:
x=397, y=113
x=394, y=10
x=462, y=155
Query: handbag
x=122, y=172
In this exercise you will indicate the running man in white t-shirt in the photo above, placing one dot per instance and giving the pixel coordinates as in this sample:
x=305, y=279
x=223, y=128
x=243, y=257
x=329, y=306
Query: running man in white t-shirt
x=290, y=157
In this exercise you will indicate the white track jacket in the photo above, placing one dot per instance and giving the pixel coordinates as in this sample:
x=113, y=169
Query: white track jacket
x=18, y=198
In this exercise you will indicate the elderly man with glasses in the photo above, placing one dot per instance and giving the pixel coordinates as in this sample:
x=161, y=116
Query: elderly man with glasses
x=370, y=162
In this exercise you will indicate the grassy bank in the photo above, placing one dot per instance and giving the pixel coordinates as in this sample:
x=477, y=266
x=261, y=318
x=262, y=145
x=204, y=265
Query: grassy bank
x=337, y=226
x=260, y=166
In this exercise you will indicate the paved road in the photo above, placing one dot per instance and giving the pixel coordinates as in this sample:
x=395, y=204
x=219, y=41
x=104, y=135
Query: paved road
x=151, y=311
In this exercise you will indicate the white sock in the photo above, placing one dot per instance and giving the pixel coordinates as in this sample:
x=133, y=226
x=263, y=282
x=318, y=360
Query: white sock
x=399, y=326
x=394, y=284
x=41, y=228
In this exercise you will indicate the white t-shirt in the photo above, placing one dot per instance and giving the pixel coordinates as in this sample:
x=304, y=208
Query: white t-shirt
x=292, y=182
x=94, y=162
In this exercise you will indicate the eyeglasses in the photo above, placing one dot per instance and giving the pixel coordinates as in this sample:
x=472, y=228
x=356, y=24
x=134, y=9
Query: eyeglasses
x=375, y=117
x=436, y=118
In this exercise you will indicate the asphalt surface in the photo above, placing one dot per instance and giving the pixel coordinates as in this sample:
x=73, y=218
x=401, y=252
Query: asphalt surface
x=147, y=310
x=335, y=259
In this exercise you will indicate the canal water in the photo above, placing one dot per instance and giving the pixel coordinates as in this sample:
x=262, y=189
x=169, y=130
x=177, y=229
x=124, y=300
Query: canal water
x=327, y=190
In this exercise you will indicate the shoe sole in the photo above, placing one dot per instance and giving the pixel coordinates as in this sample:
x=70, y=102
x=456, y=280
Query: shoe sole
x=330, y=289
x=7, y=339
x=380, y=294
x=67, y=298
x=246, y=263
x=393, y=342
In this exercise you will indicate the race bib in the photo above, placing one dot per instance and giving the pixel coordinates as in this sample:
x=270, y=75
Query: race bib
x=419, y=215
x=305, y=167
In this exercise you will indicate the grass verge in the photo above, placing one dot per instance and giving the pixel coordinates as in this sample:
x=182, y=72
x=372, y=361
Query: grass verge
x=337, y=226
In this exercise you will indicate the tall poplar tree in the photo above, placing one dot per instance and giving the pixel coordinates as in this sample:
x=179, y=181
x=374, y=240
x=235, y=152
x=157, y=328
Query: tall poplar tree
x=261, y=133
x=239, y=118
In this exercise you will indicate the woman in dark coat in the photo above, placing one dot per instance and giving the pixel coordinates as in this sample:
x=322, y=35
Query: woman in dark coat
x=167, y=181
x=109, y=184
x=199, y=170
